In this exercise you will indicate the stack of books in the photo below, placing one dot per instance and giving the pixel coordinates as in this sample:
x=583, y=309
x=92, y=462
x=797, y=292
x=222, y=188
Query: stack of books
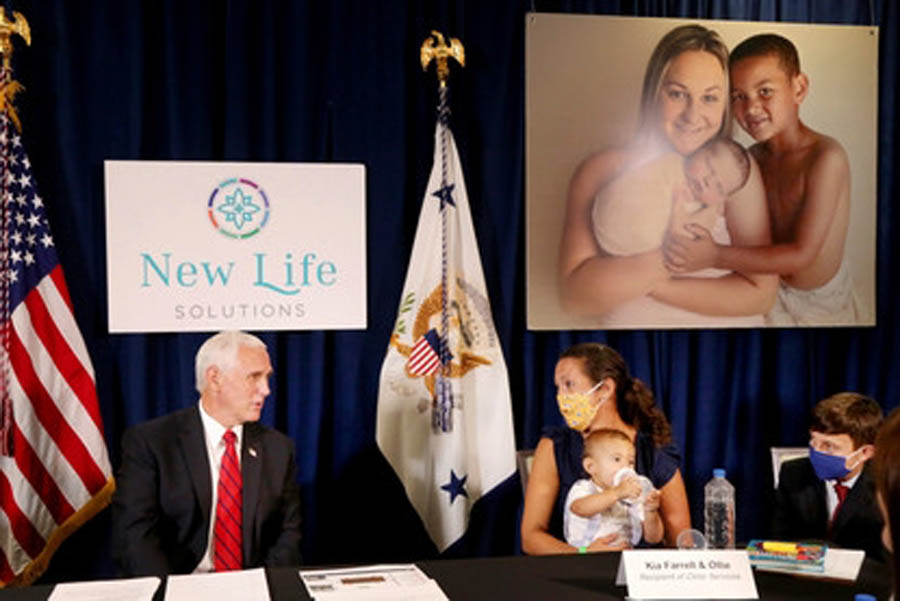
x=789, y=557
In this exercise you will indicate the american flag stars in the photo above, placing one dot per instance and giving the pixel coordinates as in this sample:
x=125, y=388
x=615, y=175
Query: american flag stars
x=30, y=231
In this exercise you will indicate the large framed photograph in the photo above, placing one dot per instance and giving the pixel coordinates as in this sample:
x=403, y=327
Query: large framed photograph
x=699, y=174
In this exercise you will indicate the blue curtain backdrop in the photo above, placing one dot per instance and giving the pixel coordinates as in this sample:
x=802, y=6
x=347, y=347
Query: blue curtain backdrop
x=288, y=80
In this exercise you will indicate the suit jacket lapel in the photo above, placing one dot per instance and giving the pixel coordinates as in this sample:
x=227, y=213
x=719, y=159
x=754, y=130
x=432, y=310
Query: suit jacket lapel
x=251, y=469
x=193, y=447
x=819, y=509
x=858, y=496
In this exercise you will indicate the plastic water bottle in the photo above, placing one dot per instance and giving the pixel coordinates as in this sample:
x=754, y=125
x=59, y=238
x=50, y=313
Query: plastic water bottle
x=719, y=511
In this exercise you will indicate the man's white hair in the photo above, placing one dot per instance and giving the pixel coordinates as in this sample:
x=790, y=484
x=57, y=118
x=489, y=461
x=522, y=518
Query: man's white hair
x=221, y=350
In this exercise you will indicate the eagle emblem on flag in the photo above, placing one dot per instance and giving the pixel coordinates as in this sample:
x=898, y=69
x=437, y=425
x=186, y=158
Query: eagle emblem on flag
x=463, y=340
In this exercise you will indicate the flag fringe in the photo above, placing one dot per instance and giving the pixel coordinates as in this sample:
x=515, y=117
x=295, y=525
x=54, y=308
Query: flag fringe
x=38, y=565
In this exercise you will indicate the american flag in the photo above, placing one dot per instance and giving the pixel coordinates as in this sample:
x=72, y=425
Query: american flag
x=58, y=474
x=425, y=356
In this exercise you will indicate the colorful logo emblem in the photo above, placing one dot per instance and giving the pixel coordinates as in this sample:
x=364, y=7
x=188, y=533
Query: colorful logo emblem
x=238, y=208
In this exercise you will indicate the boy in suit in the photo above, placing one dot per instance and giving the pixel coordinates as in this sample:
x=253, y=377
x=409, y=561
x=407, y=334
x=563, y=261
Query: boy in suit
x=830, y=495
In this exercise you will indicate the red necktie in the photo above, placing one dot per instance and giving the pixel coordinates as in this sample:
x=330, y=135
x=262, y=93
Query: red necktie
x=227, y=554
x=841, y=491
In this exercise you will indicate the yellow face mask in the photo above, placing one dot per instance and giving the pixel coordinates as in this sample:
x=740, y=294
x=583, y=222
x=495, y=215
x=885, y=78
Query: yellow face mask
x=577, y=408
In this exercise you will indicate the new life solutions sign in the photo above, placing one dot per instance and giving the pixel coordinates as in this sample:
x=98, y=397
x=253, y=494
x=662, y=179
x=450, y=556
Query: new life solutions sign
x=259, y=246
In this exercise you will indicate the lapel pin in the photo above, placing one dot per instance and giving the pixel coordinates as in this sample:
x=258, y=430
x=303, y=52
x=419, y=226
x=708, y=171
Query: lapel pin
x=252, y=451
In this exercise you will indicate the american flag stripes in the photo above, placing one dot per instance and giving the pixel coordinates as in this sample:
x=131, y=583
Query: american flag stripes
x=425, y=356
x=58, y=474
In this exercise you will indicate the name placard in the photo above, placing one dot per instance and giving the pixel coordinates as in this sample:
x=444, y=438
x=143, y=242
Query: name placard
x=195, y=246
x=704, y=574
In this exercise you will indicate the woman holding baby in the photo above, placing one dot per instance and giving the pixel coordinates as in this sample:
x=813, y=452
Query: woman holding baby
x=684, y=103
x=597, y=392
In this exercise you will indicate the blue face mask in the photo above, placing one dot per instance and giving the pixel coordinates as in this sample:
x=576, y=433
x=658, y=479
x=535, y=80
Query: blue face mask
x=830, y=467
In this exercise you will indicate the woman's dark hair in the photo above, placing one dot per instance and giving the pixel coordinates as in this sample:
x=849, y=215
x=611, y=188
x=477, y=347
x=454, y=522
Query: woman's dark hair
x=634, y=400
x=887, y=483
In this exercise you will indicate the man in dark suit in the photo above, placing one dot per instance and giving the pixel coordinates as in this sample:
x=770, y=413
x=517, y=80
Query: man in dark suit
x=173, y=485
x=830, y=496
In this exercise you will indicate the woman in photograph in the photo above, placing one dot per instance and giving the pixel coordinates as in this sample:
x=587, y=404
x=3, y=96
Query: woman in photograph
x=684, y=104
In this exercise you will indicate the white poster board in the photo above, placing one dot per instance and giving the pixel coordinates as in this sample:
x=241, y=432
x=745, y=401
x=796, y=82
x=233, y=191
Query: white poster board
x=197, y=246
x=681, y=574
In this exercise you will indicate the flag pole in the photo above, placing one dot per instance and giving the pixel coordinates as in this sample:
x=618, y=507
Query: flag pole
x=434, y=48
x=8, y=89
x=443, y=393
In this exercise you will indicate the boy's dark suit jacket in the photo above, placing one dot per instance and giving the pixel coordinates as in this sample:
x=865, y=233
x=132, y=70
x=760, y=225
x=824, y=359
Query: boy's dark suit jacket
x=801, y=511
x=161, y=507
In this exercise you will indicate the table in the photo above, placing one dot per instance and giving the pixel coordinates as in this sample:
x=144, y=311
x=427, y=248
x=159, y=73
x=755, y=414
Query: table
x=588, y=577
x=592, y=578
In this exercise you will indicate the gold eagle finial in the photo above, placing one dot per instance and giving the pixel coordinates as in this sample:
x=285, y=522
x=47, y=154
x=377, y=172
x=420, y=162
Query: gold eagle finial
x=8, y=87
x=441, y=51
x=7, y=29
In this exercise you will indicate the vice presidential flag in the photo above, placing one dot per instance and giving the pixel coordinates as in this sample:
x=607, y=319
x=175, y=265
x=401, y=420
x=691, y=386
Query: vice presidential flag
x=54, y=469
x=444, y=415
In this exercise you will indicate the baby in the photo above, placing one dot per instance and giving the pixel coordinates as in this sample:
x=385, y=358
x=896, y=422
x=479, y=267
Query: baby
x=632, y=213
x=597, y=507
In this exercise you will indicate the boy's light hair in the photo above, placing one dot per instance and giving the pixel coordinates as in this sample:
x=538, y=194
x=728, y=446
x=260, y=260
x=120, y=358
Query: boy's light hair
x=679, y=40
x=221, y=350
x=766, y=44
x=598, y=438
x=848, y=413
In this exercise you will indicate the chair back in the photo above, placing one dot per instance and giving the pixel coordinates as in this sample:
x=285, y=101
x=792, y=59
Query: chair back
x=524, y=459
x=782, y=454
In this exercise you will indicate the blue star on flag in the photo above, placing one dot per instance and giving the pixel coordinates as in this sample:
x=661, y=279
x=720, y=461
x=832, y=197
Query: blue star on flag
x=445, y=193
x=456, y=486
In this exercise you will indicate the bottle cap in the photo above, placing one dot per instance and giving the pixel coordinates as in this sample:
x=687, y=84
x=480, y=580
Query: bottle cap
x=863, y=597
x=719, y=472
